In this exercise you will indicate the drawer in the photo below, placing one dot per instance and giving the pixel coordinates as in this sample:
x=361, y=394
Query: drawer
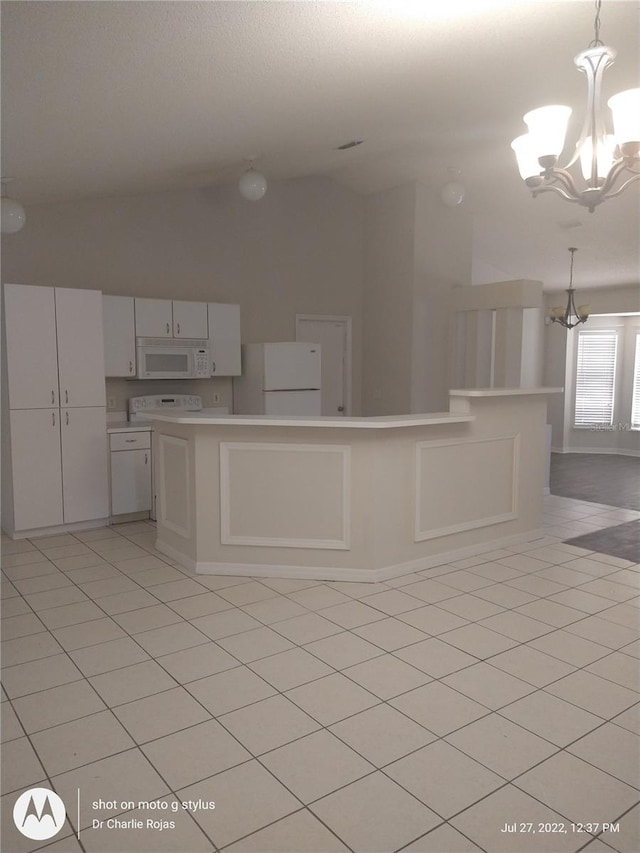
x=130, y=440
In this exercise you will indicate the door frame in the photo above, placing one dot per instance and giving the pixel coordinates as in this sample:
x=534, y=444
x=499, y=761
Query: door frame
x=348, y=322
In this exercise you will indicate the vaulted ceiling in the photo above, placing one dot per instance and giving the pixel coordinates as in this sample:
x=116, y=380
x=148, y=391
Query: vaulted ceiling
x=117, y=98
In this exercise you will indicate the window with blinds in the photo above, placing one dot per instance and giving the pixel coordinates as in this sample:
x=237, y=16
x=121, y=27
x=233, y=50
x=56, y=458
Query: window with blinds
x=635, y=404
x=595, y=378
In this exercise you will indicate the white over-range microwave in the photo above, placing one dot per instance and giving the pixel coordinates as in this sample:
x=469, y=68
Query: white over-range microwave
x=162, y=358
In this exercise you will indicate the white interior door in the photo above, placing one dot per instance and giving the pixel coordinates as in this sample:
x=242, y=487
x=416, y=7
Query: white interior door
x=334, y=336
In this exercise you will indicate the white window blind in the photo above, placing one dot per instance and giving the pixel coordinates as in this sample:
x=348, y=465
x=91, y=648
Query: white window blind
x=635, y=405
x=595, y=378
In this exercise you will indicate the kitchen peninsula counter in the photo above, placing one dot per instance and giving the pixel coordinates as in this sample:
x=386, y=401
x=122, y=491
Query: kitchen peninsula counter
x=357, y=499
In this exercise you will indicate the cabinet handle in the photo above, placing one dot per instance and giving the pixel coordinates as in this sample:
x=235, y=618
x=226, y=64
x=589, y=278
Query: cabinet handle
x=178, y=328
x=168, y=328
x=67, y=418
x=213, y=367
x=53, y=397
x=53, y=418
x=146, y=459
x=129, y=441
x=130, y=367
x=66, y=395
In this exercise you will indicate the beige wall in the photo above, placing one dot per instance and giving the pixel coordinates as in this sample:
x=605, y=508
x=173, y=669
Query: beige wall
x=298, y=250
x=443, y=260
x=416, y=251
x=389, y=276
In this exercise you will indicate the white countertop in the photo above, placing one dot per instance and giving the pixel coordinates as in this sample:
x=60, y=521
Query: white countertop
x=502, y=392
x=381, y=422
x=128, y=426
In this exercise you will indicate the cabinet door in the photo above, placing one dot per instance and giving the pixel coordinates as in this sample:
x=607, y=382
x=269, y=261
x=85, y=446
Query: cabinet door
x=130, y=481
x=190, y=320
x=80, y=347
x=31, y=350
x=224, y=339
x=154, y=318
x=118, y=319
x=37, y=473
x=84, y=463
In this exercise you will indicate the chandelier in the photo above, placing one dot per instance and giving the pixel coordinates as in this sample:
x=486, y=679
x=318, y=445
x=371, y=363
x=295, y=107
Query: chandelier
x=570, y=316
x=609, y=162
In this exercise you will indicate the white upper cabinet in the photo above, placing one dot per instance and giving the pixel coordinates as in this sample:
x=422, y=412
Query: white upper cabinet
x=154, y=318
x=80, y=347
x=164, y=318
x=118, y=319
x=224, y=339
x=190, y=320
x=31, y=350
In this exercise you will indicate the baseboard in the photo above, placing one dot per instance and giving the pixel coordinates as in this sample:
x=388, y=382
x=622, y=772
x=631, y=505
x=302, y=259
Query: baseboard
x=596, y=450
x=127, y=517
x=335, y=573
x=58, y=528
x=176, y=555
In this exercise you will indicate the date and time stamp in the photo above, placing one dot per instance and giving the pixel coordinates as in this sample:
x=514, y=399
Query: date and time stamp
x=560, y=828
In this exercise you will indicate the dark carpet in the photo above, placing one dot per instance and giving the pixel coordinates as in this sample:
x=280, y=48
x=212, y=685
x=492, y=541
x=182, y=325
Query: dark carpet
x=597, y=477
x=603, y=479
x=623, y=541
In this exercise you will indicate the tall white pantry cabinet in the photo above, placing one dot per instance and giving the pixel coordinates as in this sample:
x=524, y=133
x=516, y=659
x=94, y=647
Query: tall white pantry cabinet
x=54, y=448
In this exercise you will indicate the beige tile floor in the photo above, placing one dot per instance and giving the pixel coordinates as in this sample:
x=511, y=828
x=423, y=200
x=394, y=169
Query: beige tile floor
x=423, y=714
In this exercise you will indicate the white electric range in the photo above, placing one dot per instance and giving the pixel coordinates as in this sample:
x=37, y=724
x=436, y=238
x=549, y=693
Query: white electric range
x=132, y=482
x=139, y=407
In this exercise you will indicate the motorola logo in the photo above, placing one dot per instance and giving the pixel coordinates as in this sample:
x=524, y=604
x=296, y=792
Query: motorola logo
x=39, y=813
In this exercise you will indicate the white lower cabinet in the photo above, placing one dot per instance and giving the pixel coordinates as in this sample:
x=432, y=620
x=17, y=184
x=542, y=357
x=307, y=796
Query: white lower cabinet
x=36, y=468
x=84, y=463
x=58, y=466
x=130, y=472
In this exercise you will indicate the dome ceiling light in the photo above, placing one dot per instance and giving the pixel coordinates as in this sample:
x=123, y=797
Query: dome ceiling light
x=252, y=184
x=12, y=216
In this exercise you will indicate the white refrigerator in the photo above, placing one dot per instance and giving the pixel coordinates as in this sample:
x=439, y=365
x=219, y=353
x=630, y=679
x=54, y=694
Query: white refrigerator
x=278, y=379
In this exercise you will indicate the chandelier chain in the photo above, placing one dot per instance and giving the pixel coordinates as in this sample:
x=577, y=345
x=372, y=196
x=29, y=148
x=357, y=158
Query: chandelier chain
x=596, y=26
x=573, y=250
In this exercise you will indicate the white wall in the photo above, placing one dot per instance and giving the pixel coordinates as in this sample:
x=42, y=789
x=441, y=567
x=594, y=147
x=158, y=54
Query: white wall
x=298, y=250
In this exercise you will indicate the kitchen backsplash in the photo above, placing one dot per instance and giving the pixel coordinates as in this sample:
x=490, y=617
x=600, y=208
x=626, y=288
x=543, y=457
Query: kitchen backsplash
x=214, y=392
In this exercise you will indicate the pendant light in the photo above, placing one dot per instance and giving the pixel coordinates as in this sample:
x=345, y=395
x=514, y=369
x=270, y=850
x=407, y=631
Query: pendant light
x=609, y=162
x=570, y=316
